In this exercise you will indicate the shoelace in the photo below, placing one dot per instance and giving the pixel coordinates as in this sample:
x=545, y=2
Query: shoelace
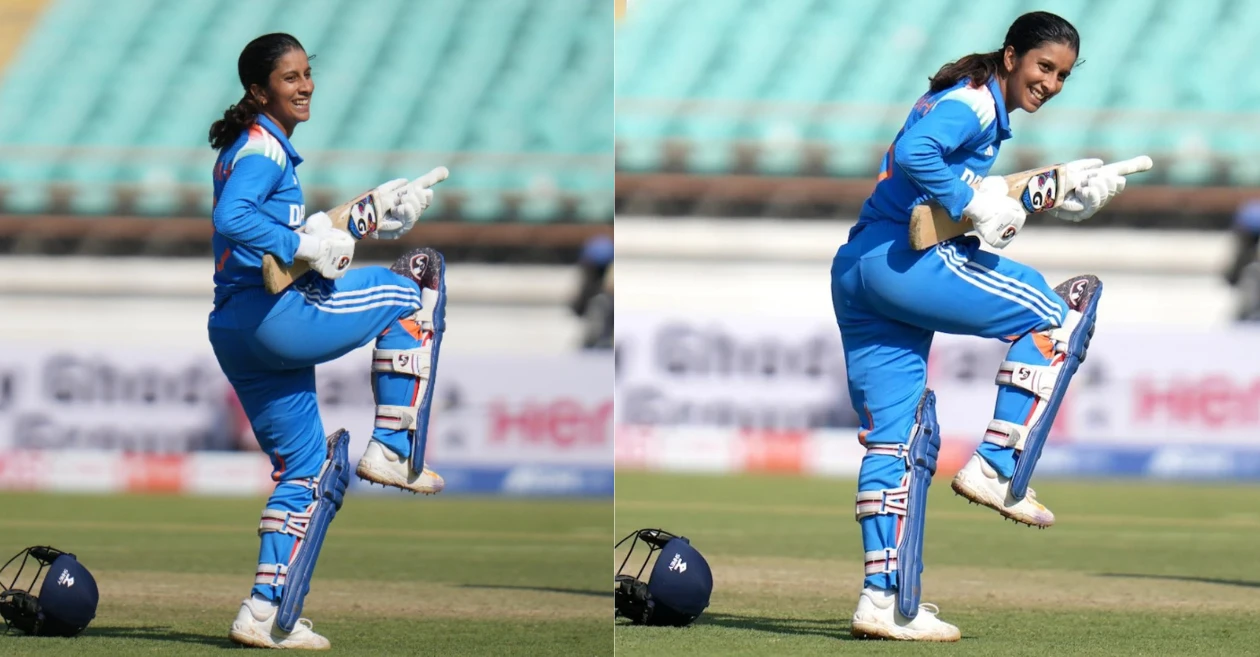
x=930, y=608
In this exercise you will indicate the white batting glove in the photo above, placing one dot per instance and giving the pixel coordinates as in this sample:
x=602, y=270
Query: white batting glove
x=1091, y=194
x=998, y=218
x=1083, y=200
x=328, y=250
x=407, y=201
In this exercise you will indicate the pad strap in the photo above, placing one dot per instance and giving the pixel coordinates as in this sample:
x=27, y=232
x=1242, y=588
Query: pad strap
x=271, y=574
x=395, y=417
x=886, y=501
x=286, y=522
x=1006, y=434
x=1037, y=379
x=898, y=450
x=881, y=561
x=415, y=362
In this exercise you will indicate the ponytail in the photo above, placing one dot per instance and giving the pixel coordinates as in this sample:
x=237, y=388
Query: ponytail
x=236, y=119
x=979, y=67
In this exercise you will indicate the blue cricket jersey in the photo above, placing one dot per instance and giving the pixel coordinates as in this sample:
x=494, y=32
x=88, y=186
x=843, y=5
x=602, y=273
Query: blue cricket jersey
x=258, y=206
x=949, y=141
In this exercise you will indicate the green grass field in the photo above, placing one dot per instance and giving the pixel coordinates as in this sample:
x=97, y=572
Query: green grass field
x=1129, y=569
x=398, y=575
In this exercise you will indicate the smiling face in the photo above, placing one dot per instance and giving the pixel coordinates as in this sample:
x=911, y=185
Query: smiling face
x=287, y=98
x=1036, y=76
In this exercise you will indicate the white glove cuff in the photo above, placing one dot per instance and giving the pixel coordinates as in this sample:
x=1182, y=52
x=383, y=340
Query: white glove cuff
x=976, y=206
x=308, y=247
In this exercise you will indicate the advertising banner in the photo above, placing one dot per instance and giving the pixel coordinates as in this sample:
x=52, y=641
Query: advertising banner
x=1141, y=404
x=516, y=425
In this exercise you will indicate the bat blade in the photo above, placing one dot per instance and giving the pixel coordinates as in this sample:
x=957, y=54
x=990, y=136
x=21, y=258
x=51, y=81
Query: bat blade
x=362, y=212
x=931, y=224
x=359, y=217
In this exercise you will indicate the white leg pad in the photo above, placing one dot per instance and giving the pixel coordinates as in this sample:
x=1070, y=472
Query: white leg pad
x=414, y=362
x=1040, y=380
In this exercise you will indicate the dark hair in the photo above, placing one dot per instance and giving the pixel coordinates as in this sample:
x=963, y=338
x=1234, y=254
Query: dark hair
x=254, y=66
x=1027, y=32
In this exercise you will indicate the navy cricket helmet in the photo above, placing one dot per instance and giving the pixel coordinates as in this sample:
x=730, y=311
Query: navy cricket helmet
x=679, y=588
x=67, y=599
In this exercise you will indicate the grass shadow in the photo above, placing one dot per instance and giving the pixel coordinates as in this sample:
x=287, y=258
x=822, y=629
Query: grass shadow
x=545, y=589
x=830, y=629
x=1185, y=578
x=157, y=633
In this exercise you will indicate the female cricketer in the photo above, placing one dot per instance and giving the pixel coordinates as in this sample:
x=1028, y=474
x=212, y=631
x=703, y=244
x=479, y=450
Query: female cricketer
x=890, y=299
x=269, y=344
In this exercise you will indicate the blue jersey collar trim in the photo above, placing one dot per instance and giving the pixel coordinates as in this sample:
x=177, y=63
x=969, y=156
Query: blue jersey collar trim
x=279, y=134
x=1003, y=118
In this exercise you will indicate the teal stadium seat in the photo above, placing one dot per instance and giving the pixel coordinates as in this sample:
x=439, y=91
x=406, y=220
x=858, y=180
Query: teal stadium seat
x=710, y=75
x=481, y=83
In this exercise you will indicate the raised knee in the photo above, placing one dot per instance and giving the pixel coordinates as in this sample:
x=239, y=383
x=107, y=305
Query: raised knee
x=424, y=266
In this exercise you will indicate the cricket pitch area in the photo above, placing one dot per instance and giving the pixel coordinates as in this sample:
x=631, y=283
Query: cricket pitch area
x=398, y=575
x=1130, y=568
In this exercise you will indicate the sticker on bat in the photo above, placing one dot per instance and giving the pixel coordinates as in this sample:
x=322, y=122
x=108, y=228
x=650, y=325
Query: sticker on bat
x=362, y=218
x=1041, y=192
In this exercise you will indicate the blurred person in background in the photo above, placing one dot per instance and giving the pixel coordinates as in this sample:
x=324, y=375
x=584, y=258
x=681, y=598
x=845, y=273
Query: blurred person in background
x=594, y=300
x=890, y=299
x=269, y=344
x=1244, y=271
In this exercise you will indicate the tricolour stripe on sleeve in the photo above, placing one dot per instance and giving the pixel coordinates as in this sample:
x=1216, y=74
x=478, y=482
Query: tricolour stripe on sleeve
x=262, y=143
x=979, y=100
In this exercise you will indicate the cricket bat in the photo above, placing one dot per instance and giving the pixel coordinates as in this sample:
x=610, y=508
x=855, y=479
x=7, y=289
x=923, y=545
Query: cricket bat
x=358, y=217
x=1037, y=190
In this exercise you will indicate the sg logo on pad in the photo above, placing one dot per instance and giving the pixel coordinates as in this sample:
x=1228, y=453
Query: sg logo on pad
x=419, y=265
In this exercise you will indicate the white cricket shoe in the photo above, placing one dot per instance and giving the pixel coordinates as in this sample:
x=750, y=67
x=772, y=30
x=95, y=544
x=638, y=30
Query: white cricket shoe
x=381, y=465
x=255, y=626
x=877, y=618
x=980, y=482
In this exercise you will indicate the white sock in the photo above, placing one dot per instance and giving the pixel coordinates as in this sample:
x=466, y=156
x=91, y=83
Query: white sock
x=259, y=605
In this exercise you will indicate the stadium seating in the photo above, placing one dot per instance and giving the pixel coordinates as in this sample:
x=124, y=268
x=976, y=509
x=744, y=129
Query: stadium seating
x=513, y=95
x=785, y=77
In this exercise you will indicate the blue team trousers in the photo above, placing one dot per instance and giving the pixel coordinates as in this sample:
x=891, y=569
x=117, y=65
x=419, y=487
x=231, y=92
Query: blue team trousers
x=889, y=301
x=268, y=347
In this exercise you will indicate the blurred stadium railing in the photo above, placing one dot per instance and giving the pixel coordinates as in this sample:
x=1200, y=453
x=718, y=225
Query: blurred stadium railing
x=748, y=134
x=105, y=108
